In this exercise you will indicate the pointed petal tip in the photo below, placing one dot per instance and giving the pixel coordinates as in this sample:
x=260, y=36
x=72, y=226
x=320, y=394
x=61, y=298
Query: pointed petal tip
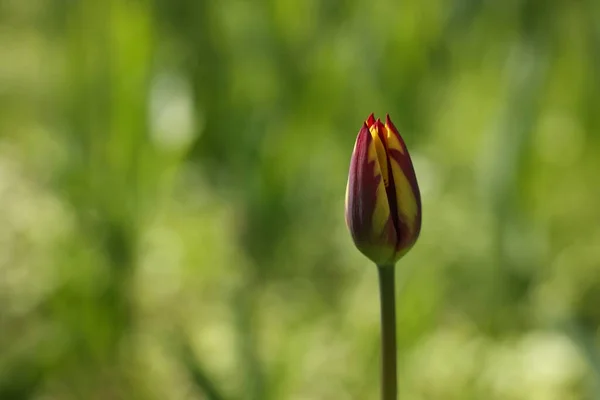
x=388, y=121
x=390, y=125
x=364, y=127
x=370, y=120
x=363, y=138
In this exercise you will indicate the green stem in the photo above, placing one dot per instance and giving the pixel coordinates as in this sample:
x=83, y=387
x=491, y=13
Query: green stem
x=389, y=386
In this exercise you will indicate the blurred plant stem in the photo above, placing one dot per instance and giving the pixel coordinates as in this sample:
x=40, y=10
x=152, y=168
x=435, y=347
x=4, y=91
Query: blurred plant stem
x=246, y=320
x=389, y=387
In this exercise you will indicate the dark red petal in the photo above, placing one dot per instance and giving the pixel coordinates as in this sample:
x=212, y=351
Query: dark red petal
x=371, y=120
x=362, y=189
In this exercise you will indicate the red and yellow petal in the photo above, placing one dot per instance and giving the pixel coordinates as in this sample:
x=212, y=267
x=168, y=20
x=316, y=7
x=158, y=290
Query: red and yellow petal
x=367, y=209
x=407, y=190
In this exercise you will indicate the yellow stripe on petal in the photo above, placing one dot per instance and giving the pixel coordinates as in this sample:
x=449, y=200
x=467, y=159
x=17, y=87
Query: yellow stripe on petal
x=393, y=139
x=381, y=154
x=381, y=213
x=407, y=202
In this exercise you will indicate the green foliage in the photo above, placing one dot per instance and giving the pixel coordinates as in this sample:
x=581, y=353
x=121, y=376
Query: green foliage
x=172, y=175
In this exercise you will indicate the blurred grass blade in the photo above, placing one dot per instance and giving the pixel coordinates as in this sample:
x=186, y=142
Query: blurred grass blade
x=197, y=371
x=584, y=340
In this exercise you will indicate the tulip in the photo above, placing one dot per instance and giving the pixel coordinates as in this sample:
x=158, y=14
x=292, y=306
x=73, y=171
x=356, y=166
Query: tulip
x=383, y=203
x=383, y=214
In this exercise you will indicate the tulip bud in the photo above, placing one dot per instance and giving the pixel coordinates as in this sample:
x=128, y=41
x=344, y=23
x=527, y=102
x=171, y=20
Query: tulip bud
x=383, y=203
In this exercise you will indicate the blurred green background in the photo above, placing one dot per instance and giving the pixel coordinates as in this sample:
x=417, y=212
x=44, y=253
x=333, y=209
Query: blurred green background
x=172, y=175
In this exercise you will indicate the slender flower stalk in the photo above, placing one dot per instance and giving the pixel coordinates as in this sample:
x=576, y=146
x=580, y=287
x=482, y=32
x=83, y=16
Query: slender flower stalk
x=383, y=215
x=389, y=388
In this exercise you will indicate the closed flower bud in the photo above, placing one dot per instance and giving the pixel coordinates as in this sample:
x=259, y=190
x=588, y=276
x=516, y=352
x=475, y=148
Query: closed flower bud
x=383, y=203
